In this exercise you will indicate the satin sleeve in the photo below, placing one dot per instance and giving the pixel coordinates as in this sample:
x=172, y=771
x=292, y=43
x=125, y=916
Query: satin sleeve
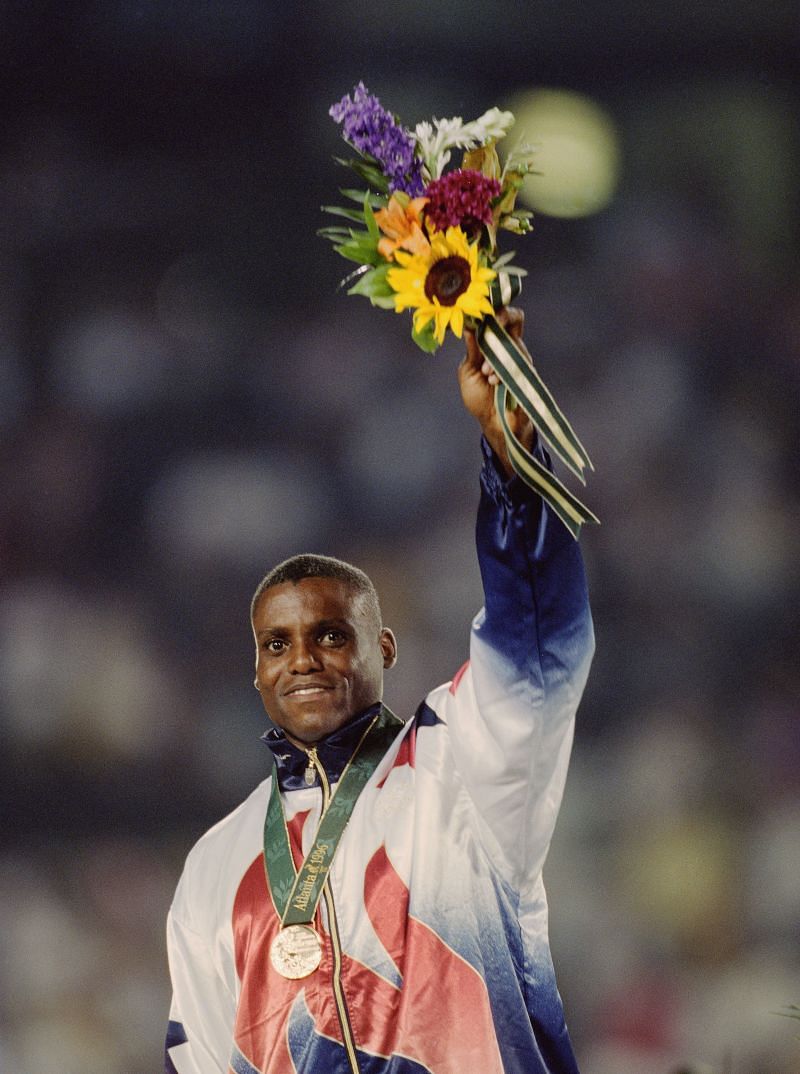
x=203, y=1008
x=511, y=714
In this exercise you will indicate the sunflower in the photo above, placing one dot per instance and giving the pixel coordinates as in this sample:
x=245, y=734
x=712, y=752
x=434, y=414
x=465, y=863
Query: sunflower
x=443, y=285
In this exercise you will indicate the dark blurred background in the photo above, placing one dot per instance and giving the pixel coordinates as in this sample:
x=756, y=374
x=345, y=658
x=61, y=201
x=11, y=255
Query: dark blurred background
x=185, y=399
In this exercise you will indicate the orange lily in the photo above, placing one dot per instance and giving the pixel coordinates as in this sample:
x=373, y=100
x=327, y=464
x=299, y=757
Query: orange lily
x=401, y=224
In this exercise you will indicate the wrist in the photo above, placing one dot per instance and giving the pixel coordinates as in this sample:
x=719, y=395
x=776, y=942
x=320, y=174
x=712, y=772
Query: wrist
x=495, y=438
x=499, y=450
x=504, y=486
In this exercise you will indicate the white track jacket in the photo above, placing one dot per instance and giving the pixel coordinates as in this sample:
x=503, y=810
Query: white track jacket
x=439, y=947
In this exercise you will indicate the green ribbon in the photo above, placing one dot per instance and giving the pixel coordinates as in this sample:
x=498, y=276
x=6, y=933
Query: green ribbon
x=534, y=473
x=296, y=893
x=520, y=385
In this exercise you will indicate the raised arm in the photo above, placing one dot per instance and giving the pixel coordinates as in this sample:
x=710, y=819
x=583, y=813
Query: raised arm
x=511, y=715
x=477, y=383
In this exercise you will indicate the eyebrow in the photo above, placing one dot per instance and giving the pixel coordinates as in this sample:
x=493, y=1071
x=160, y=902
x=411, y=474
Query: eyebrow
x=320, y=625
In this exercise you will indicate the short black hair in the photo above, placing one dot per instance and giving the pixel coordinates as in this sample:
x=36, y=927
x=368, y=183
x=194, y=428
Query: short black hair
x=307, y=565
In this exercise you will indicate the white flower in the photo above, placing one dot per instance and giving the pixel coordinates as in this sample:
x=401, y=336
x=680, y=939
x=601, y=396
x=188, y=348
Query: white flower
x=435, y=145
x=521, y=158
x=490, y=127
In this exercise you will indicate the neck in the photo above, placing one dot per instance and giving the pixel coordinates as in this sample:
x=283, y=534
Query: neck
x=307, y=744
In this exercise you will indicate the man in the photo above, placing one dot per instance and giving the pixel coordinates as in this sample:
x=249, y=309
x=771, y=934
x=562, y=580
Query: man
x=376, y=905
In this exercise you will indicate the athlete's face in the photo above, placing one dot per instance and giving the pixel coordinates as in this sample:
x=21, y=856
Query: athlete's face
x=320, y=656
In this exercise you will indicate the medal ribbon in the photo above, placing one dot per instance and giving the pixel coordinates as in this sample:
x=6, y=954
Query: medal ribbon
x=296, y=893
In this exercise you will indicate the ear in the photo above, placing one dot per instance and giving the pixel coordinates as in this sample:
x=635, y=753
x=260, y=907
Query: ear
x=388, y=648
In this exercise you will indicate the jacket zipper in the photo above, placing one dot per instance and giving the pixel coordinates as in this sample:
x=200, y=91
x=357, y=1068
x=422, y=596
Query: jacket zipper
x=333, y=927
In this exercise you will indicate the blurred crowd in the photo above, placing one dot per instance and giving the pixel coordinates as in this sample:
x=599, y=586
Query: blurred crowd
x=185, y=399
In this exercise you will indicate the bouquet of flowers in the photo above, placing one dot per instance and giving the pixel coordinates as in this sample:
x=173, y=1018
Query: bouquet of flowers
x=425, y=239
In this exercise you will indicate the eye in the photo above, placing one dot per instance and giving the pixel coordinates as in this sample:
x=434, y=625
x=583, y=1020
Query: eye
x=333, y=638
x=275, y=645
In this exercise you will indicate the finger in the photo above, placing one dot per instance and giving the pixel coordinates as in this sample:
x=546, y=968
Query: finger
x=516, y=323
x=508, y=315
x=489, y=373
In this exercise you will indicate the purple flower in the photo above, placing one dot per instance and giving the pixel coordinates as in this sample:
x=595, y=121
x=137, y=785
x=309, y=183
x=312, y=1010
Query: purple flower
x=461, y=199
x=370, y=129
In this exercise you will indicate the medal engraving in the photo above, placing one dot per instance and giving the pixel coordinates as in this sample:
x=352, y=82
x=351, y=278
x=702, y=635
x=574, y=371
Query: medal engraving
x=296, y=952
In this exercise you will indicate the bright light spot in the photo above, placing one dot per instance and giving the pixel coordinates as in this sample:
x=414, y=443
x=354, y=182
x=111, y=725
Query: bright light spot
x=578, y=152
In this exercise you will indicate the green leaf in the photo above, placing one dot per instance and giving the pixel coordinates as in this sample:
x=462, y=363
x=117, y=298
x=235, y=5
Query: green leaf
x=370, y=173
x=500, y=262
x=521, y=160
x=361, y=247
x=362, y=156
x=516, y=225
x=354, y=251
x=508, y=196
x=371, y=222
x=374, y=286
x=341, y=210
x=377, y=201
x=374, y=282
x=335, y=234
x=425, y=340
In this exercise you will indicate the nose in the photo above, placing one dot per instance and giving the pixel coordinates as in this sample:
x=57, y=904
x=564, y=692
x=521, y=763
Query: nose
x=303, y=659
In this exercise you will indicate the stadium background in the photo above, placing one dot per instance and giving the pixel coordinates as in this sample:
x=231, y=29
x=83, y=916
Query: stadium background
x=185, y=399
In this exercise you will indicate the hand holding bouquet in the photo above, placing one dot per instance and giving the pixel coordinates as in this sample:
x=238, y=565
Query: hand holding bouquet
x=426, y=240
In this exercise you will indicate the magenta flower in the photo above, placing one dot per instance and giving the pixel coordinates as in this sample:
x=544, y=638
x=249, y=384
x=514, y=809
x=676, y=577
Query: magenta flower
x=461, y=199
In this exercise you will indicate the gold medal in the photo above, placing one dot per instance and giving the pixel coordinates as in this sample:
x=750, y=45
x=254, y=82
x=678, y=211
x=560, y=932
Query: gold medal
x=296, y=951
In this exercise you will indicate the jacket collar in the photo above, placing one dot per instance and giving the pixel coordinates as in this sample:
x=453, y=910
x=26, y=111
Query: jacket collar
x=333, y=751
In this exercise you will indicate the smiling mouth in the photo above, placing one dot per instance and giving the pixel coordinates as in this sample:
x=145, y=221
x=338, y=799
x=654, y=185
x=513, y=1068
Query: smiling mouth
x=307, y=691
